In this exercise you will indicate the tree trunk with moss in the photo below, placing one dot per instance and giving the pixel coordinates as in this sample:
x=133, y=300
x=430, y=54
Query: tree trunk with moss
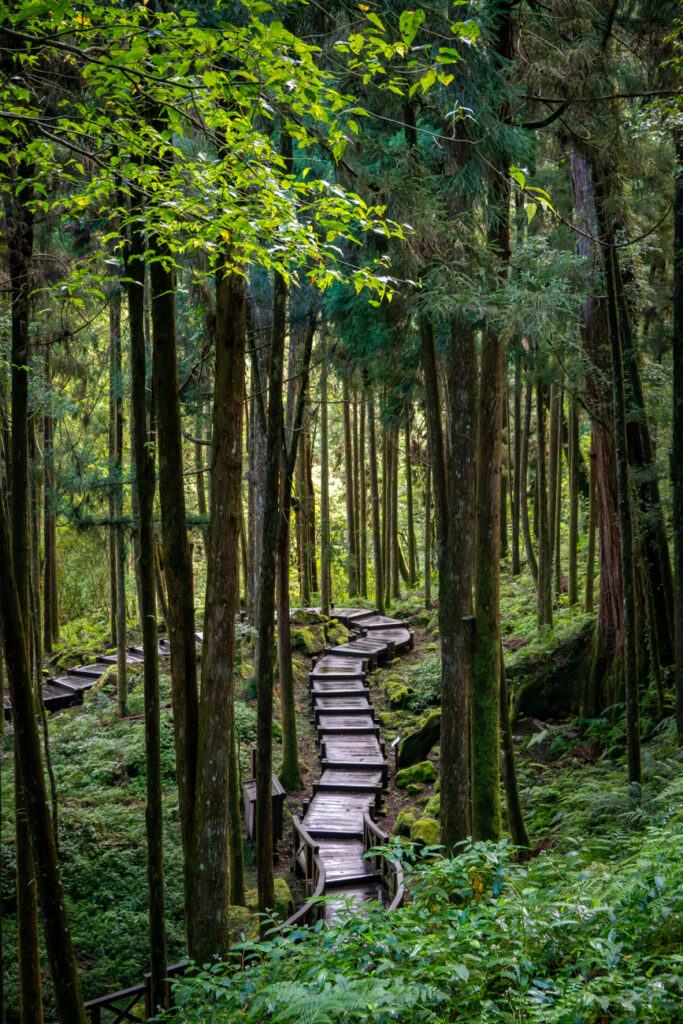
x=351, y=554
x=544, y=614
x=374, y=499
x=677, y=445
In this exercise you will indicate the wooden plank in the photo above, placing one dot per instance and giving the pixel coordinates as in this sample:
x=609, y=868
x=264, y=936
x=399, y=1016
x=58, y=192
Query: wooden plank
x=354, y=725
x=337, y=812
x=353, y=779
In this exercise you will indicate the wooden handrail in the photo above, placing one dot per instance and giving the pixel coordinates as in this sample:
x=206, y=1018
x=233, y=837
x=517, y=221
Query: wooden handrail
x=390, y=867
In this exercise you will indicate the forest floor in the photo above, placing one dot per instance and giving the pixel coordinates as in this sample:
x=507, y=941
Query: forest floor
x=572, y=781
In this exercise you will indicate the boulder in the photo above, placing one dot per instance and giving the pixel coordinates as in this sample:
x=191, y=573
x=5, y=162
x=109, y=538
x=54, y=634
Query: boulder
x=309, y=639
x=426, y=831
x=422, y=772
x=336, y=633
x=416, y=745
x=398, y=693
x=404, y=823
x=433, y=806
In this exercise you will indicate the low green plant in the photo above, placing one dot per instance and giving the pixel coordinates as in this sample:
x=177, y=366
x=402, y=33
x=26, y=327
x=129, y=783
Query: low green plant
x=482, y=939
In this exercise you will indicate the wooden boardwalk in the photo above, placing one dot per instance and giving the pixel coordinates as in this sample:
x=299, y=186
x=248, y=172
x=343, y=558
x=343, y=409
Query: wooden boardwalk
x=67, y=689
x=336, y=830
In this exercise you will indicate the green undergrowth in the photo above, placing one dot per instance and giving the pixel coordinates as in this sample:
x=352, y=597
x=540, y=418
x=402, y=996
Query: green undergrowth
x=100, y=771
x=481, y=939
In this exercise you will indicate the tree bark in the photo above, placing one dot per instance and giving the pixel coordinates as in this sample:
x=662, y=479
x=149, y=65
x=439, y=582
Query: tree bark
x=412, y=544
x=428, y=534
x=362, y=503
x=573, y=475
x=552, y=481
x=608, y=653
x=61, y=954
x=349, y=476
x=145, y=488
x=517, y=466
x=524, y=475
x=625, y=518
x=677, y=437
x=212, y=836
x=374, y=497
x=325, y=545
x=266, y=615
x=486, y=668
x=454, y=499
x=19, y=239
x=395, y=557
x=545, y=604
x=290, y=772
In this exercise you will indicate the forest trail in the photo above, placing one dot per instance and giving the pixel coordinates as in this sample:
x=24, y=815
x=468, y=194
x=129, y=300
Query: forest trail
x=67, y=689
x=337, y=828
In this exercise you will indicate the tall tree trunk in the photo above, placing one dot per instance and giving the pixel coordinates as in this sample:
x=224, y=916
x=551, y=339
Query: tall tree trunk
x=517, y=466
x=386, y=524
x=428, y=534
x=111, y=497
x=677, y=441
x=349, y=476
x=625, y=516
x=515, y=814
x=608, y=653
x=545, y=603
x=50, y=595
x=557, y=524
x=145, y=488
x=116, y=494
x=325, y=545
x=362, y=503
x=486, y=668
x=412, y=543
x=395, y=556
x=19, y=240
x=374, y=498
x=199, y=456
x=454, y=495
x=301, y=484
x=655, y=546
x=310, y=492
x=36, y=807
x=554, y=456
x=573, y=476
x=266, y=616
x=524, y=484
x=290, y=772
x=592, y=529
x=356, y=484
x=208, y=925
x=175, y=543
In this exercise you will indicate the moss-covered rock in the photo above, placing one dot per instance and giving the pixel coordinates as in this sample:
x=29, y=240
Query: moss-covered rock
x=414, y=789
x=427, y=831
x=243, y=921
x=305, y=617
x=416, y=745
x=433, y=806
x=398, y=693
x=546, y=683
x=404, y=823
x=283, y=899
x=309, y=639
x=422, y=772
x=335, y=633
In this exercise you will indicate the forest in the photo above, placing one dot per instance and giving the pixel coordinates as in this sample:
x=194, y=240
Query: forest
x=341, y=511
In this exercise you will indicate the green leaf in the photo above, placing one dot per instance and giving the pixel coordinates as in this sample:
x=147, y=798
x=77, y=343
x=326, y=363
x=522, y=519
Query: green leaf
x=409, y=24
x=530, y=211
x=518, y=174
